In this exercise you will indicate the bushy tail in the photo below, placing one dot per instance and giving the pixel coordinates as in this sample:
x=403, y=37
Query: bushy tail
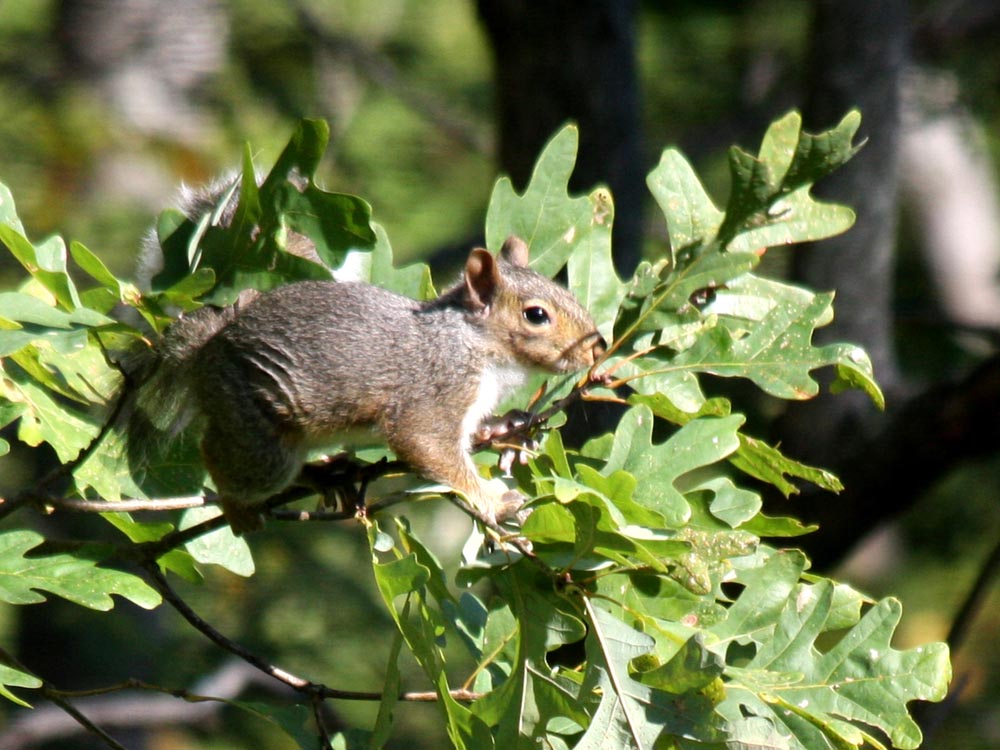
x=160, y=403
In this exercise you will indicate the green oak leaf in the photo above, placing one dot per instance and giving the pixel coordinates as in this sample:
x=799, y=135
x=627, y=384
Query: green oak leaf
x=590, y=530
x=12, y=677
x=43, y=417
x=630, y=714
x=656, y=467
x=590, y=270
x=861, y=679
x=769, y=201
x=529, y=697
x=653, y=307
x=545, y=216
x=391, y=688
x=402, y=582
x=692, y=217
x=45, y=262
x=561, y=230
x=73, y=577
x=693, y=667
x=221, y=547
x=777, y=353
x=816, y=695
x=376, y=267
x=178, y=561
x=251, y=252
x=25, y=319
x=765, y=462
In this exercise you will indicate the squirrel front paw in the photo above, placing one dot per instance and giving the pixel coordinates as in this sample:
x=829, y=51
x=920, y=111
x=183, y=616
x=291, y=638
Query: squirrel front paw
x=508, y=429
x=510, y=512
x=497, y=503
x=497, y=427
x=511, y=508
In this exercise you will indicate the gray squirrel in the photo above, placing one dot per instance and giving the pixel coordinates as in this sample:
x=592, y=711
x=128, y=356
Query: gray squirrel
x=312, y=362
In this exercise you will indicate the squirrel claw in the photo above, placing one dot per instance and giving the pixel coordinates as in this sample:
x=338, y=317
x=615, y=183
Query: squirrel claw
x=507, y=457
x=511, y=514
x=498, y=427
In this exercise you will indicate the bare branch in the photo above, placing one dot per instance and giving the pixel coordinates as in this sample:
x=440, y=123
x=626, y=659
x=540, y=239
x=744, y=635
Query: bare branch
x=195, y=620
x=297, y=683
x=131, y=505
x=122, y=705
x=41, y=491
x=59, y=699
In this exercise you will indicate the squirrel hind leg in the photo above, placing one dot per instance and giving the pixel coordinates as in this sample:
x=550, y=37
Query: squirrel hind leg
x=242, y=518
x=248, y=471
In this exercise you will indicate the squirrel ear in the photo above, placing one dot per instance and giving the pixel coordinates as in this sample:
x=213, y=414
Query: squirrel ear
x=482, y=277
x=515, y=250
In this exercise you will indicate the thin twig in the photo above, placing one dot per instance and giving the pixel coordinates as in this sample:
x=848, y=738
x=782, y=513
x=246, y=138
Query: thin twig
x=58, y=698
x=340, y=515
x=347, y=472
x=39, y=492
x=629, y=358
x=297, y=683
x=149, y=551
x=122, y=706
x=131, y=505
x=133, y=683
x=81, y=719
x=198, y=623
x=317, y=710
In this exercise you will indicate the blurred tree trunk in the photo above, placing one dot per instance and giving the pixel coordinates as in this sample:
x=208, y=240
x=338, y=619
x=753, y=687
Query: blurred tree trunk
x=560, y=60
x=858, y=50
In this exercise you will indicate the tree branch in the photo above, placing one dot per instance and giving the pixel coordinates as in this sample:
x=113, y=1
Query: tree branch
x=121, y=706
x=40, y=492
x=300, y=684
x=59, y=699
x=133, y=505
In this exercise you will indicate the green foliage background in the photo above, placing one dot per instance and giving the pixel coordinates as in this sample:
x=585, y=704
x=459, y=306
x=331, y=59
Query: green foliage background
x=56, y=137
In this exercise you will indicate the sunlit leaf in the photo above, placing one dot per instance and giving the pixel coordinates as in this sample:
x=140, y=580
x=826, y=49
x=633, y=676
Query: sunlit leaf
x=630, y=714
x=221, y=547
x=692, y=217
x=658, y=466
x=861, y=679
x=11, y=677
x=559, y=228
x=73, y=577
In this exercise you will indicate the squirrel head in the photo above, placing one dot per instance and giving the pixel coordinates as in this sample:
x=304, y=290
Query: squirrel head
x=528, y=316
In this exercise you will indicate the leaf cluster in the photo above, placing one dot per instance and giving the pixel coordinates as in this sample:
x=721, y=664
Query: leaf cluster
x=642, y=603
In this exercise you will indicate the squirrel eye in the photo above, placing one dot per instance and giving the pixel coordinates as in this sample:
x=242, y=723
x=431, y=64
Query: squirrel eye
x=536, y=316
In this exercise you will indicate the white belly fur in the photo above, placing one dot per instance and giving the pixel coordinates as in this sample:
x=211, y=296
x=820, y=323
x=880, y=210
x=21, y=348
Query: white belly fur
x=494, y=384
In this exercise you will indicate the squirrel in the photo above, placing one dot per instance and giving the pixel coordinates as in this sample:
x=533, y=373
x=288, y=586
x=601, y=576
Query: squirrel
x=311, y=362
